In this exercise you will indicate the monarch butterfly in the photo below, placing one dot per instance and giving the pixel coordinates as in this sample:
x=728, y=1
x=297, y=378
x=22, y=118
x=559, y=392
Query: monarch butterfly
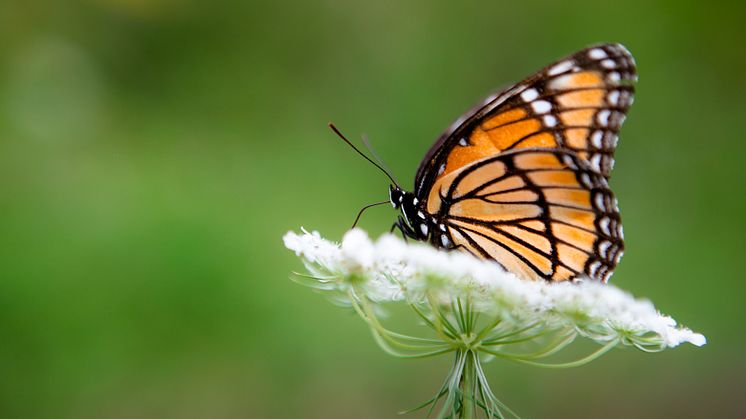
x=523, y=178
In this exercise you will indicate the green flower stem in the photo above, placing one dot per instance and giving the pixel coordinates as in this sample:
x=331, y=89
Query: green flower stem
x=468, y=386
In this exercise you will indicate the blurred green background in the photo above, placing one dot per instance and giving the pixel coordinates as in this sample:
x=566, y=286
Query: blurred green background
x=153, y=152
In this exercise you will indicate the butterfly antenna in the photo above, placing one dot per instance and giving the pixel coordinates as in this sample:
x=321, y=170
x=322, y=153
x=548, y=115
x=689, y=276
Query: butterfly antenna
x=336, y=131
x=376, y=156
x=363, y=210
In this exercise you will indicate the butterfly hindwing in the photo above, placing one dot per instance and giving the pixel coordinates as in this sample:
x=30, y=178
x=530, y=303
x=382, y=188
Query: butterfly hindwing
x=543, y=213
x=578, y=103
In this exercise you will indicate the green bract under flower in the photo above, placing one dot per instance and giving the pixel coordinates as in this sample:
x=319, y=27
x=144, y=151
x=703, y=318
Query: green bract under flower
x=392, y=270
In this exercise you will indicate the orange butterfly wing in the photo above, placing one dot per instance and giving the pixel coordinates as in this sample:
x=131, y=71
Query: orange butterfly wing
x=577, y=103
x=542, y=213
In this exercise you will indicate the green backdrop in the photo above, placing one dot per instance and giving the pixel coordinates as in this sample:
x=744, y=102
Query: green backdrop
x=153, y=152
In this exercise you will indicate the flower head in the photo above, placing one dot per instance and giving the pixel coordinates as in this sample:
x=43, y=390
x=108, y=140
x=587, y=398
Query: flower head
x=477, y=309
x=392, y=270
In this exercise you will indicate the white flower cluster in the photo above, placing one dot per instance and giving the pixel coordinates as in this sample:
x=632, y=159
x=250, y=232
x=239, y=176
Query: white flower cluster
x=392, y=270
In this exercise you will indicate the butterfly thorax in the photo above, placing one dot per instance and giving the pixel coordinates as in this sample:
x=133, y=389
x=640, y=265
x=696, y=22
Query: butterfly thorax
x=415, y=221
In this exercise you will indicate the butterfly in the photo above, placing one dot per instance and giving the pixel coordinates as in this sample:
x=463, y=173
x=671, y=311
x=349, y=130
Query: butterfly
x=523, y=178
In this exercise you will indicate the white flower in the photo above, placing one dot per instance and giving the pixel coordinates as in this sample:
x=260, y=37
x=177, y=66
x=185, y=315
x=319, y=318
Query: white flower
x=392, y=270
x=477, y=310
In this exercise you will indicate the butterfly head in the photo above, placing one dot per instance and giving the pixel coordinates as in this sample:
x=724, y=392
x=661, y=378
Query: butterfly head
x=396, y=196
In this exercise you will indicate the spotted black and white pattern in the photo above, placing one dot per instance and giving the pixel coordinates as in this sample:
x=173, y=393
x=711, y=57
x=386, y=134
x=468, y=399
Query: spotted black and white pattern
x=617, y=66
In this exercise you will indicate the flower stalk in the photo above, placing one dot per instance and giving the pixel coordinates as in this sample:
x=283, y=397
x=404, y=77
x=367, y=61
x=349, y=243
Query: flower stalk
x=476, y=311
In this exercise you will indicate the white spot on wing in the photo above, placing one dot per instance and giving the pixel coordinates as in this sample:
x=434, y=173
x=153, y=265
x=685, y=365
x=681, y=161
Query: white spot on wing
x=604, y=224
x=593, y=268
x=603, y=117
x=560, y=67
x=569, y=162
x=444, y=240
x=606, y=277
x=550, y=120
x=596, y=162
x=624, y=98
x=420, y=214
x=541, y=106
x=560, y=82
x=613, y=97
x=463, y=142
x=613, y=77
x=596, y=138
x=423, y=229
x=597, y=54
x=614, y=140
x=598, y=202
x=608, y=63
x=604, y=247
x=529, y=94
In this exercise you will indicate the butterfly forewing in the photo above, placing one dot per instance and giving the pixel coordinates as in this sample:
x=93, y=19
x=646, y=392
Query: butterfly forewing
x=577, y=103
x=542, y=213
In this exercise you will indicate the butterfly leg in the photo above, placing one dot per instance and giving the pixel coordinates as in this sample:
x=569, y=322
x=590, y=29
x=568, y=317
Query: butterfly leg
x=406, y=231
x=395, y=226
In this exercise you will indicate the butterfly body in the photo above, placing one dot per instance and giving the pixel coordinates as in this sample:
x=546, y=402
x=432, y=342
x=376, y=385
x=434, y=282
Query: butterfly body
x=416, y=222
x=523, y=178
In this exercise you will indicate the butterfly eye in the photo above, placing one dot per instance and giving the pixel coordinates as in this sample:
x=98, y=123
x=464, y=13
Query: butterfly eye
x=396, y=196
